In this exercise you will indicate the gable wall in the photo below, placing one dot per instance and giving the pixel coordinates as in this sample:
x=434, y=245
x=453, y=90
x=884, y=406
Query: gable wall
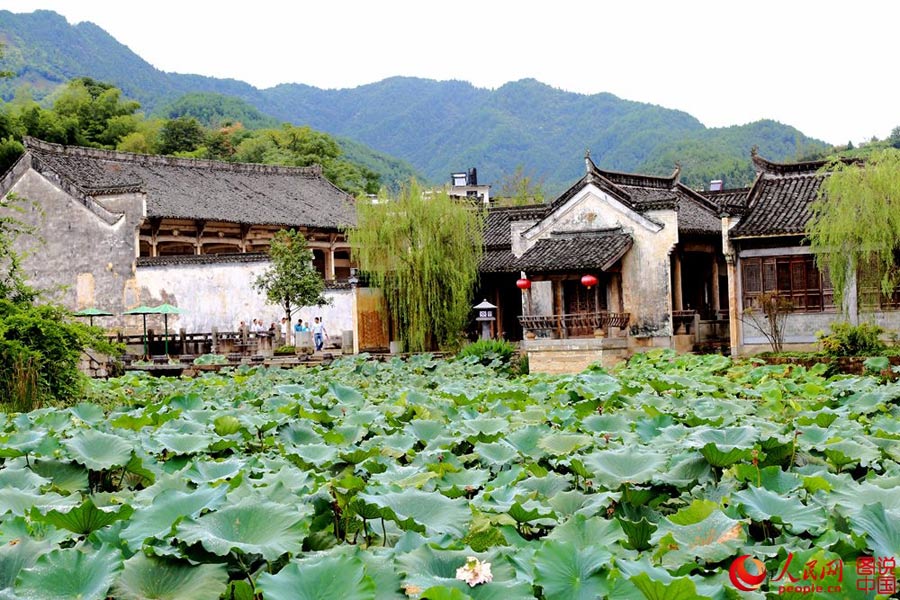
x=85, y=260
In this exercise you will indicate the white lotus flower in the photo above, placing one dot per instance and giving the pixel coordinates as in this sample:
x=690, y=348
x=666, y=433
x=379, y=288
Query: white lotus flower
x=475, y=572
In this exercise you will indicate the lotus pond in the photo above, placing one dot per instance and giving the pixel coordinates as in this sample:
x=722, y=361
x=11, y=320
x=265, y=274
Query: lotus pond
x=368, y=480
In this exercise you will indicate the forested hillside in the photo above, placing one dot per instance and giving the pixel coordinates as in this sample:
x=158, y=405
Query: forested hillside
x=438, y=127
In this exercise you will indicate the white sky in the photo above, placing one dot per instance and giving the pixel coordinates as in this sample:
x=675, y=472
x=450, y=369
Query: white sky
x=826, y=67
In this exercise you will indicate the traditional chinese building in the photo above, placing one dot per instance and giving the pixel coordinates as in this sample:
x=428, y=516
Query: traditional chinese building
x=616, y=263
x=117, y=230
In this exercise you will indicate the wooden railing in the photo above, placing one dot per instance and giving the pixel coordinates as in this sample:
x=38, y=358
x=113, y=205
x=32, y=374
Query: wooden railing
x=573, y=325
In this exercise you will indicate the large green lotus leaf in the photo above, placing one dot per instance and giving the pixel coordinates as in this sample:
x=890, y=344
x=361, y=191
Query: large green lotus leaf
x=20, y=503
x=21, y=478
x=881, y=527
x=486, y=425
x=612, y=468
x=89, y=413
x=17, y=556
x=848, y=496
x=86, y=517
x=380, y=567
x=712, y=539
x=762, y=505
x=574, y=502
x=64, y=475
x=21, y=443
x=70, y=573
x=566, y=572
x=424, y=512
x=316, y=454
x=207, y=471
x=527, y=439
x=425, y=430
x=680, y=588
x=427, y=567
x=442, y=592
x=253, y=527
x=168, y=508
x=347, y=396
x=299, y=434
x=725, y=438
x=547, y=486
x=145, y=578
x=180, y=443
x=495, y=453
x=847, y=452
x=319, y=578
x=612, y=423
x=563, y=444
x=583, y=532
x=684, y=469
x=98, y=451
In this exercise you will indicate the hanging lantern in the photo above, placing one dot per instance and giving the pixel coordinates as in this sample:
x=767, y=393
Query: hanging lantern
x=589, y=281
x=523, y=284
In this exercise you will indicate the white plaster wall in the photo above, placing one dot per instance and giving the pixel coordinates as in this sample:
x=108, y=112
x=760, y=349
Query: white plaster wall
x=222, y=295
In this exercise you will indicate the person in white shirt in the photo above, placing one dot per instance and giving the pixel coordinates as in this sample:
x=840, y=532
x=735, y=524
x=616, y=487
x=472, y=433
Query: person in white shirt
x=319, y=333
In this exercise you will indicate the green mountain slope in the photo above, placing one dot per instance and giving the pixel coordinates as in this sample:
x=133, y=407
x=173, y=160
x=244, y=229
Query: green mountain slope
x=438, y=127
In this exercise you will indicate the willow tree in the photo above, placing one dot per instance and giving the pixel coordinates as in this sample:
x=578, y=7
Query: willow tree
x=855, y=226
x=423, y=251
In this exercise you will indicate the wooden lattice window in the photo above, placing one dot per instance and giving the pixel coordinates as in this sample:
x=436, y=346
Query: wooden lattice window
x=794, y=278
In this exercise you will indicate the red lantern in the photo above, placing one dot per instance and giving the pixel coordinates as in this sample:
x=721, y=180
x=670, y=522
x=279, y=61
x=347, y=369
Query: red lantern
x=589, y=281
x=523, y=284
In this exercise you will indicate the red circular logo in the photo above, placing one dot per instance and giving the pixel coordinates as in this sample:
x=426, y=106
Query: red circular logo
x=742, y=578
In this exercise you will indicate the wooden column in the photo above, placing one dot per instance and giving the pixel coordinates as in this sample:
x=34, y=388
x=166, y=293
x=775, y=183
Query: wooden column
x=734, y=306
x=715, y=285
x=329, y=263
x=676, y=281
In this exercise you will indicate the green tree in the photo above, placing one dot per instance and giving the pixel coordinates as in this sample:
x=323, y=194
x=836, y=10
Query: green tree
x=102, y=116
x=423, y=252
x=855, y=226
x=184, y=134
x=519, y=189
x=291, y=281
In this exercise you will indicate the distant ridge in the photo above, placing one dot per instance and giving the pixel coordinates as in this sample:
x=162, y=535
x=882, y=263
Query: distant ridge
x=437, y=126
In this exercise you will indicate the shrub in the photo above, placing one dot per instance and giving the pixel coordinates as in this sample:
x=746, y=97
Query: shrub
x=40, y=349
x=852, y=340
x=488, y=351
x=285, y=351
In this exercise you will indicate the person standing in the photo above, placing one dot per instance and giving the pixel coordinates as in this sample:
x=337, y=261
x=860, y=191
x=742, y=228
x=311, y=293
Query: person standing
x=319, y=333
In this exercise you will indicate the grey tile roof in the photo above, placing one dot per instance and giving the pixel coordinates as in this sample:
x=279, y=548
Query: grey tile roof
x=496, y=226
x=585, y=250
x=778, y=203
x=500, y=260
x=201, y=189
x=693, y=218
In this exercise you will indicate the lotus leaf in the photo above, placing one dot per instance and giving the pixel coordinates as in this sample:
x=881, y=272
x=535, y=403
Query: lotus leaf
x=168, y=509
x=98, y=451
x=613, y=468
x=762, y=505
x=319, y=578
x=70, y=573
x=566, y=572
x=253, y=527
x=145, y=578
x=86, y=517
x=423, y=511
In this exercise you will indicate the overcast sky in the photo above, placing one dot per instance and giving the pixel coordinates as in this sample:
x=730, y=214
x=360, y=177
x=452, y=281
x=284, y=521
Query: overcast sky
x=825, y=67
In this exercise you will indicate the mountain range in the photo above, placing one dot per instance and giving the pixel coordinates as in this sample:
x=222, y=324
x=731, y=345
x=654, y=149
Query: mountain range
x=436, y=126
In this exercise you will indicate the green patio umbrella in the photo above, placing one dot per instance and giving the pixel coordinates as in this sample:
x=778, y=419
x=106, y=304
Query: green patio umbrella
x=91, y=313
x=142, y=310
x=165, y=310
